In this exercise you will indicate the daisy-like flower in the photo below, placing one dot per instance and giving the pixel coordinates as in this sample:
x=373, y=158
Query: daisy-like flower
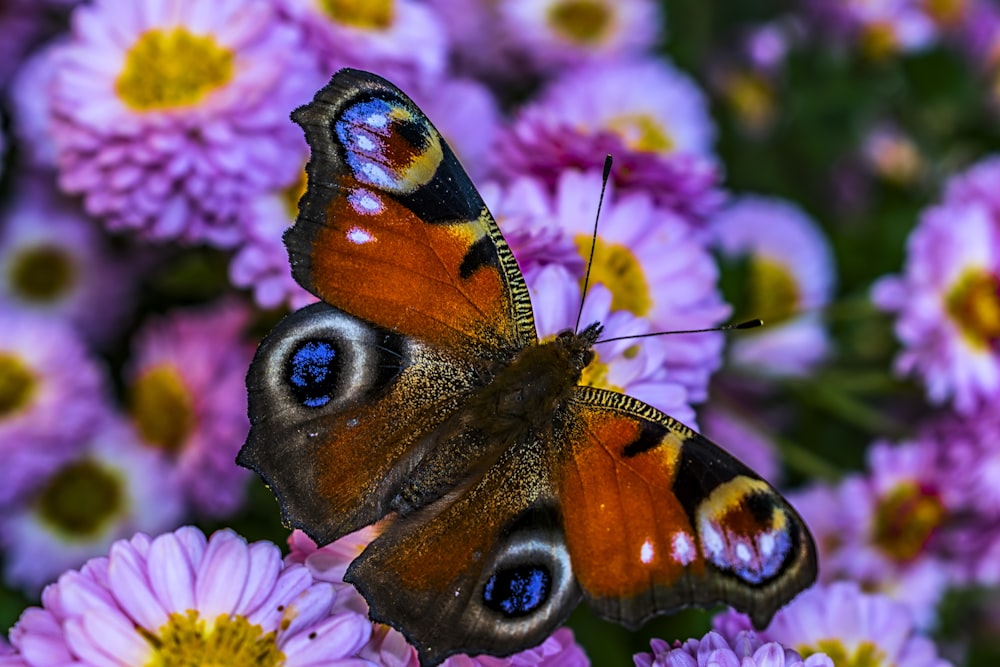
x=790, y=278
x=30, y=106
x=881, y=28
x=112, y=488
x=54, y=262
x=169, y=115
x=850, y=626
x=53, y=395
x=646, y=113
x=402, y=40
x=895, y=529
x=947, y=302
x=188, y=399
x=745, y=650
x=182, y=599
x=893, y=156
x=555, y=34
x=388, y=646
x=638, y=367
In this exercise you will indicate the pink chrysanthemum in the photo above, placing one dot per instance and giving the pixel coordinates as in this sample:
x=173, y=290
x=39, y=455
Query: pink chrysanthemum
x=554, y=34
x=850, y=626
x=745, y=650
x=53, y=395
x=188, y=399
x=402, y=40
x=790, y=278
x=647, y=114
x=947, y=302
x=388, y=646
x=897, y=530
x=169, y=115
x=638, y=367
x=112, y=488
x=741, y=435
x=182, y=599
x=879, y=27
x=55, y=263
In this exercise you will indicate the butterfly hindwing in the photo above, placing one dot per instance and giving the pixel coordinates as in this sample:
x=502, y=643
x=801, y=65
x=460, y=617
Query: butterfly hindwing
x=392, y=230
x=658, y=518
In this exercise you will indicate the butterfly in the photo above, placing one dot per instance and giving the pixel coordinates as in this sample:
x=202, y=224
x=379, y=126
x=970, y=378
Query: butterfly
x=417, y=389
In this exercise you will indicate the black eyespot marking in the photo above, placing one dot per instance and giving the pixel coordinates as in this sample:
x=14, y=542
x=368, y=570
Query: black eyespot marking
x=481, y=253
x=518, y=591
x=761, y=507
x=313, y=372
x=650, y=436
x=414, y=132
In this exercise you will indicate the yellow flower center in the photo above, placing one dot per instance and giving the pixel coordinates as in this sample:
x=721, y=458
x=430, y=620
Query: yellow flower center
x=363, y=14
x=42, y=274
x=774, y=293
x=905, y=519
x=187, y=640
x=167, y=69
x=642, y=132
x=752, y=98
x=879, y=40
x=81, y=498
x=596, y=375
x=865, y=654
x=18, y=384
x=974, y=304
x=616, y=268
x=162, y=407
x=580, y=21
x=945, y=12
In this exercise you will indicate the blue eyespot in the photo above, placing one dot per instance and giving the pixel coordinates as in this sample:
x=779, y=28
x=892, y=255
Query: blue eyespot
x=312, y=373
x=518, y=591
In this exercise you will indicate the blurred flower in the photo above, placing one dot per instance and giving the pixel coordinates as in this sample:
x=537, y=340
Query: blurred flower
x=188, y=399
x=652, y=263
x=946, y=303
x=23, y=23
x=849, y=625
x=54, y=262
x=167, y=120
x=112, y=488
x=740, y=435
x=880, y=28
x=182, y=599
x=52, y=398
x=554, y=34
x=30, y=106
x=639, y=368
x=789, y=279
x=401, y=40
x=388, y=646
x=745, y=650
x=893, y=155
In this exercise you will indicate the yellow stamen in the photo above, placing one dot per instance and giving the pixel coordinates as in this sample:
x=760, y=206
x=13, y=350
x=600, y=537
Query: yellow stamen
x=81, y=498
x=974, y=304
x=364, y=14
x=162, y=407
x=905, y=519
x=42, y=274
x=18, y=384
x=187, y=640
x=616, y=268
x=581, y=21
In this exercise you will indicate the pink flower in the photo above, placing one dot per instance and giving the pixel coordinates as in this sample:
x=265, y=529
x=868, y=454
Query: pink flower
x=188, y=399
x=712, y=650
x=182, y=598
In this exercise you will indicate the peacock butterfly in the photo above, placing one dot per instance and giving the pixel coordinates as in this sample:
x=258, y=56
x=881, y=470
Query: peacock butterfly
x=418, y=388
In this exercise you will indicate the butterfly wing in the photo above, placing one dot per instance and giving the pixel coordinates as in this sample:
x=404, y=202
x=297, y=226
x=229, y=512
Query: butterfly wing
x=658, y=518
x=392, y=230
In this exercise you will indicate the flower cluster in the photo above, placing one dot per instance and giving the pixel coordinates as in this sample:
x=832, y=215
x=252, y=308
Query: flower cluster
x=148, y=172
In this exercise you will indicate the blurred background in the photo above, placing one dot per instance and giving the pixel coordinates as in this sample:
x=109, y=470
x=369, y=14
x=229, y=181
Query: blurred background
x=828, y=166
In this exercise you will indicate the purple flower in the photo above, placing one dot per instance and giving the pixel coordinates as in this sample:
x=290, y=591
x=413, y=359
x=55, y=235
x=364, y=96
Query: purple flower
x=712, y=650
x=110, y=489
x=53, y=396
x=647, y=114
x=402, y=40
x=947, y=301
x=55, y=263
x=182, y=598
x=741, y=434
x=790, y=278
x=188, y=399
x=388, y=646
x=881, y=27
x=554, y=34
x=850, y=626
x=169, y=115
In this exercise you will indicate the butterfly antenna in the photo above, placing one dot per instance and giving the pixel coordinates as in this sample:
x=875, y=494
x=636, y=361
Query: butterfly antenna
x=749, y=324
x=593, y=239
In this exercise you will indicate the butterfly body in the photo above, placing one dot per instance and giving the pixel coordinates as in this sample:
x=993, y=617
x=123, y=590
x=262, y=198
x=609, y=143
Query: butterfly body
x=420, y=391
